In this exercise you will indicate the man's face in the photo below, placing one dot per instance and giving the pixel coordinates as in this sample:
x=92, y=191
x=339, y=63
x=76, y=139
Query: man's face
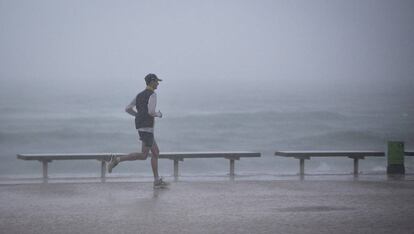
x=154, y=84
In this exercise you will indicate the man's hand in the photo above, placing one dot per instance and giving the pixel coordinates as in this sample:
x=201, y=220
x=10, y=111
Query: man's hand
x=159, y=114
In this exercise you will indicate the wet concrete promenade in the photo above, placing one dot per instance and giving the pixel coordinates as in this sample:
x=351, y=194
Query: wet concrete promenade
x=209, y=207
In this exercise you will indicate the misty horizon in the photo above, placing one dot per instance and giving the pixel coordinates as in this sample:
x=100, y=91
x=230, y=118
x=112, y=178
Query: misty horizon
x=339, y=48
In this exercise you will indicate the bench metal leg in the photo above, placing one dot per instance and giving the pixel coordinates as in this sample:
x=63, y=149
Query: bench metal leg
x=302, y=167
x=231, y=167
x=176, y=169
x=44, y=167
x=356, y=167
x=103, y=169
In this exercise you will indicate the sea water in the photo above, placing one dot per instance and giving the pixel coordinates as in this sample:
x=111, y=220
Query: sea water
x=224, y=121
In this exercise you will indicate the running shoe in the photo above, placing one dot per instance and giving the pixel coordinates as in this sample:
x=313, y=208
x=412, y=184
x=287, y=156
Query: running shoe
x=112, y=163
x=160, y=183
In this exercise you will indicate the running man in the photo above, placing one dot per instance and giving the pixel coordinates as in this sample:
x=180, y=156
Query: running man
x=145, y=103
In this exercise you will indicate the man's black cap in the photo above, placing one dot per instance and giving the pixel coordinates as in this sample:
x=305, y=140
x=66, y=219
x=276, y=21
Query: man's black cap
x=150, y=77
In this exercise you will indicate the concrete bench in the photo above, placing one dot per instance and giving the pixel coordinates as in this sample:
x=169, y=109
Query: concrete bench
x=302, y=155
x=104, y=157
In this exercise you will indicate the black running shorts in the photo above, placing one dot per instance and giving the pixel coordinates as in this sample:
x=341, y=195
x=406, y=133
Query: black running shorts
x=147, y=138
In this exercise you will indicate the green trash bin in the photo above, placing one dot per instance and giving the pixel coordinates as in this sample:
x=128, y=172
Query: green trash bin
x=395, y=157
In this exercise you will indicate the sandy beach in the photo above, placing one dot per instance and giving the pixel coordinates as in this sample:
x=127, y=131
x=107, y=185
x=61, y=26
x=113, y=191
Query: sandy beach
x=209, y=207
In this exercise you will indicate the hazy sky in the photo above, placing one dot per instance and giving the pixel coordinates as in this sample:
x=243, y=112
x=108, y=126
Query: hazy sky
x=205, y=44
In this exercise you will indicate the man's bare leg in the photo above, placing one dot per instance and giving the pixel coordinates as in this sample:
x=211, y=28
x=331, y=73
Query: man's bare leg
x=158, y=182
x=136, y=156
x=154, y=160
x=130, y=157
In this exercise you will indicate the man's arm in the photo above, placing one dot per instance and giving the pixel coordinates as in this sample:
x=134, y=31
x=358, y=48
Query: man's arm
x=130, y=108
x=152, y=103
